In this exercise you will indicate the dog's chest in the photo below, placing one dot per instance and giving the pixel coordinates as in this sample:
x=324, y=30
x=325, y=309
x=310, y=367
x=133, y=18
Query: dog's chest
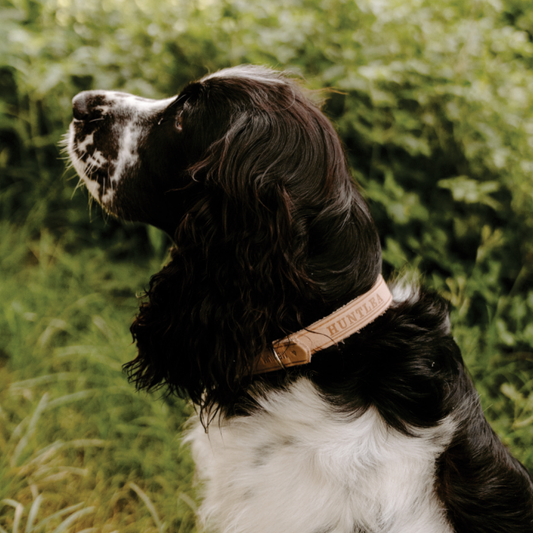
x=299, y=467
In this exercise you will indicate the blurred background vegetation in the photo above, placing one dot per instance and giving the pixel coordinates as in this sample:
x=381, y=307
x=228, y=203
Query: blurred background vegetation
x=434, y=105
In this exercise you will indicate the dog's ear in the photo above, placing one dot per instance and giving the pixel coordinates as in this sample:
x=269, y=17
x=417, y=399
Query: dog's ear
x=237, y=277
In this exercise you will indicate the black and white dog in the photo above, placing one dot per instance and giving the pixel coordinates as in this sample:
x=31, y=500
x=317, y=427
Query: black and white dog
x=276, y=259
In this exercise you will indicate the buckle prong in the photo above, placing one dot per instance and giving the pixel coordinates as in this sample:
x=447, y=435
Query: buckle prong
x=276, y=356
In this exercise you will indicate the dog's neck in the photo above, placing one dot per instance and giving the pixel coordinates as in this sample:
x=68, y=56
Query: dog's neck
x=297, y=348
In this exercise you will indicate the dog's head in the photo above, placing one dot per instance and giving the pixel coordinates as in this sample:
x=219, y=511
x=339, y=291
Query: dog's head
x=249, y=178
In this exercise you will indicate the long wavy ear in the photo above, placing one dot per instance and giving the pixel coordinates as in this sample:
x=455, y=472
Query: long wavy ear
x=236, y=279
x=274, y=214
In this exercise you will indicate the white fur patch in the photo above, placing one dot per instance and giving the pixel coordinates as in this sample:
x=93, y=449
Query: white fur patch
x=297, y=466
x=128, y=155
x=248, y=72
x=84, y=169
x=88, y=141
x=134, y=104
x=404, y=290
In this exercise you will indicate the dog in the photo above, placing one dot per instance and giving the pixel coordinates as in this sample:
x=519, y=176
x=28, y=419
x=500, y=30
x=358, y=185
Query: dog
x=327, y=401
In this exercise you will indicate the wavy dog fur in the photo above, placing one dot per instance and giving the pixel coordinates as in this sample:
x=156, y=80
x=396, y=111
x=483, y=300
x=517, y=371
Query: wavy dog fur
x=381, y=433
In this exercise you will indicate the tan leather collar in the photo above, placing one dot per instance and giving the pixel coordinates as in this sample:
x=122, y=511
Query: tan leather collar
x=297, y=348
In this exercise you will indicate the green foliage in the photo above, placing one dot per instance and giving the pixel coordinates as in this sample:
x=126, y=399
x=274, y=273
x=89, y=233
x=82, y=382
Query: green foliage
x=432, y=101
x=78, y=446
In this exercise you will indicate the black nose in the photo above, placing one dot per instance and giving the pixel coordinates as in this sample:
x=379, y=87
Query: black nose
x=83, y=107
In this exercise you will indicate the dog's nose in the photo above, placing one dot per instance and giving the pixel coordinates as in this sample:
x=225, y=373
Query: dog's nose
x=83, y=107
x=79, y=107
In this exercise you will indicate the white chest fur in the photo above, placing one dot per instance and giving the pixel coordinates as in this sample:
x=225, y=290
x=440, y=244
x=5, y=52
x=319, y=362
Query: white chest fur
x=298, y=466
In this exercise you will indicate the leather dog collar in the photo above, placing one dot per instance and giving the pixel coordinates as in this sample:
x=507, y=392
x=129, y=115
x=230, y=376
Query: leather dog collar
x=297, y=348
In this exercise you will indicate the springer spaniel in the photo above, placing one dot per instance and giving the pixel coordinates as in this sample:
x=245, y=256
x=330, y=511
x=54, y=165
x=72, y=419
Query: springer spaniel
x=277, y=259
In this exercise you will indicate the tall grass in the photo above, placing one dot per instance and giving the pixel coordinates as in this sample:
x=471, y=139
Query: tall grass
x=80, y=450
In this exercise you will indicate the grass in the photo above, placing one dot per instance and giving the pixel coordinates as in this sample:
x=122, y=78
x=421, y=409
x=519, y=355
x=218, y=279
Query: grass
x=81, y=451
